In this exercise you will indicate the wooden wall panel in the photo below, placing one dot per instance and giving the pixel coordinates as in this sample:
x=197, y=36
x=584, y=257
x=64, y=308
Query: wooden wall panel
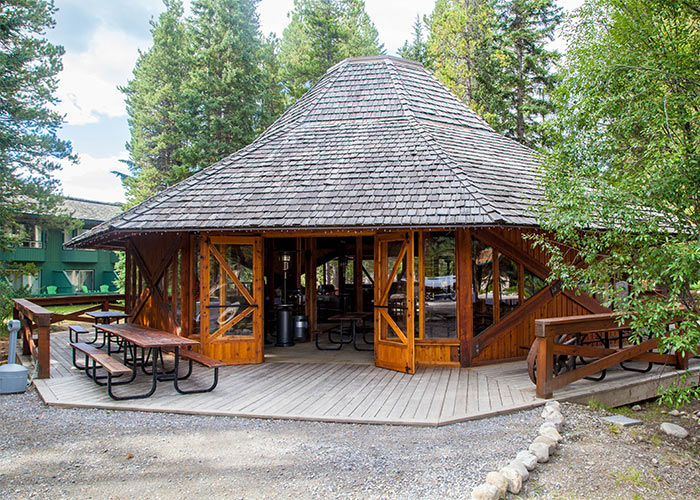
x=437, y=355
x=516, y=343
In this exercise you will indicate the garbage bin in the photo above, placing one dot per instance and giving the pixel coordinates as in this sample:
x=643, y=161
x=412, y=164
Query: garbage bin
x=284, y=326
x=301, y=328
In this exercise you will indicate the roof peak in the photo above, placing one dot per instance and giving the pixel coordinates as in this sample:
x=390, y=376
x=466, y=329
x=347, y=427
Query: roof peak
x=374, y=59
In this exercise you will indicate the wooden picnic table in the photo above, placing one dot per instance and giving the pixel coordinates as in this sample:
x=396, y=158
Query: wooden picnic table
x=106, y=317
x=151, y=340
x=353, y=318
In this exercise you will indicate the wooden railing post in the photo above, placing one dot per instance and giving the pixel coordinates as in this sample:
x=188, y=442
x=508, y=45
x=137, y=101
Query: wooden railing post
x=545, y=366
x=44, y=346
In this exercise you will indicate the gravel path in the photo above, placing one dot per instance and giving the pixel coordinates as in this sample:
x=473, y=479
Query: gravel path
x=56, y=453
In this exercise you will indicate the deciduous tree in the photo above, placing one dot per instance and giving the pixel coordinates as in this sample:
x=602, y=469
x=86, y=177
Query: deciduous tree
x=621, y=179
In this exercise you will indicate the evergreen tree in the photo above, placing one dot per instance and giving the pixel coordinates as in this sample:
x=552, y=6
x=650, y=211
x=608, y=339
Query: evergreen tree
x=460, y=48
x=29, y=146
x=417, y=50
x=525, y=78
x=155, y=99
x=227, y=82
x=206, y=88
x=322, y=33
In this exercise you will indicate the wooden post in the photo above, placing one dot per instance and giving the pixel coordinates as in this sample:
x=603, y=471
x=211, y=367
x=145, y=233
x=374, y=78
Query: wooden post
x=299, y=260
x=44, y=345
x=358, y=273
x=465, y=306
x=496, y=285
x=128, y=290
x=186, y=296
x=204, y=295
x=259, y=297
x=311, y=310
x=545, y=363
x=681, y=361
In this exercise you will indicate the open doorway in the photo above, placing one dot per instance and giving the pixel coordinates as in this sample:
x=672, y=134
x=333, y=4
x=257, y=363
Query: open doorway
x=319, y=294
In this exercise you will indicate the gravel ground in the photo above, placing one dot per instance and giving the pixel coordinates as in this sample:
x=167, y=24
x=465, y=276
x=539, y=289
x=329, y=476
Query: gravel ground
x=597, y=461
x=56, y=453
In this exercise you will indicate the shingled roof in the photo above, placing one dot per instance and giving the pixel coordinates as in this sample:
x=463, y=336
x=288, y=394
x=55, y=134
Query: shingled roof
x=377, y=142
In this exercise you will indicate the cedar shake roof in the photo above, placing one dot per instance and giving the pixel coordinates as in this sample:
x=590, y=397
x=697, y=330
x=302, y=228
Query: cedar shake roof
x=377, y=142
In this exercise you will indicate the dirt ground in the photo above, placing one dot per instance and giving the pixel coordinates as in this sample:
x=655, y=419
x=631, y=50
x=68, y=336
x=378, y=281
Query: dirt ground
x=600, y=461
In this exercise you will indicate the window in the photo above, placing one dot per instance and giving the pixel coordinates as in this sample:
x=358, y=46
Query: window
x=482, y=285
x=532, y=284
x=26, y=283
x=31, y=236
x=509, y=295
x=439, y=281
x=80, y=280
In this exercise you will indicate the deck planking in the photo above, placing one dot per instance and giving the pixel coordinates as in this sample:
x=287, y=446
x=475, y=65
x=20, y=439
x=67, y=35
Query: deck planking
x=337, y=391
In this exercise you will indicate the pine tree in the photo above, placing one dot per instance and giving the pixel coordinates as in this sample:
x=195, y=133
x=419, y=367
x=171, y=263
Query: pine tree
x=526, y=75
x=226, y=83
x=206, y=88
x=155, y=99
x=322, y=33
x=29, y=146
x=460, y=48
x=417, y=50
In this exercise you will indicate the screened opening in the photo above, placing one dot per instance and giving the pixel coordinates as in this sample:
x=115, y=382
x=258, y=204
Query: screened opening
x=439, y=282
x=482, y=285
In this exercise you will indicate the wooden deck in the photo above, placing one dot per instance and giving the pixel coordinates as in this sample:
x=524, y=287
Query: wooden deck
x=341, y=386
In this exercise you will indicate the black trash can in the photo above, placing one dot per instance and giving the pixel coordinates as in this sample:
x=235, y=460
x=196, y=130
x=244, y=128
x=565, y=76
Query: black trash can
x=284, y=326
x=301, y=328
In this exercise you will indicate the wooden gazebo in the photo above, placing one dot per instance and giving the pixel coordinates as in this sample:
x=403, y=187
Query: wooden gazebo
x=382, y=185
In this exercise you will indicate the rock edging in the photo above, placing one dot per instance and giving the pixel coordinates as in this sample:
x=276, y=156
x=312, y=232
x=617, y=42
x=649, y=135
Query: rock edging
x=512, y=476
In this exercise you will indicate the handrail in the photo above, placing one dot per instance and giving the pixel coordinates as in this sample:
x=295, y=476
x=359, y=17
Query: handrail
x=30, y=314
x=36, y=320
x=549, y=345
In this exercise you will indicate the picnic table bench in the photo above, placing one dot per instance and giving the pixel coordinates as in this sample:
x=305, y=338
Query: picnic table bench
x=152, y=343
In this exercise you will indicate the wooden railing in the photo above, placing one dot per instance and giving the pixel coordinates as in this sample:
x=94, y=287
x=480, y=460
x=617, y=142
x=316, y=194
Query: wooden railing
x=576, y=347
x=36, y=321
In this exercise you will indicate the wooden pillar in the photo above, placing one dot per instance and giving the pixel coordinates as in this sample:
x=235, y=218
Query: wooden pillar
x=465, y=305
x=299, y=263
x=358, y=273
x=311, y=310
x=186, y=289
x=204, y=295
x=496, y=285
x=545, y=364
x=44, y=346
x=128, y=289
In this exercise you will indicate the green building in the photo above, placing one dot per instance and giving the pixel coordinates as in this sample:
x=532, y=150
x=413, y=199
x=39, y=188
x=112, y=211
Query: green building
x=65, y=271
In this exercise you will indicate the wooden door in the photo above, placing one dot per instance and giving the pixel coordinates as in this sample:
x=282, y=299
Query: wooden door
x=231, y=293
x=394, y=302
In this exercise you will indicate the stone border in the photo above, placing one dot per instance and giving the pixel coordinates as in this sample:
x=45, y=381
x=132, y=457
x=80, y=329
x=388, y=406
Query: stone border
x=512, y=476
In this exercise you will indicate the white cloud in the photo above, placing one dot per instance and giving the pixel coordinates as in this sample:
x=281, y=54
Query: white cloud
x=88, y=83
x=92, y=179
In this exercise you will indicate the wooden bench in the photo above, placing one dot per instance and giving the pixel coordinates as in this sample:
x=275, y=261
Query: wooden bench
x=200, y=359
x=76, y=330
x=103, y=360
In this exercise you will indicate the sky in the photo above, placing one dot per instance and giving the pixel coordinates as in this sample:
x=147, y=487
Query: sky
x=102, y=41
